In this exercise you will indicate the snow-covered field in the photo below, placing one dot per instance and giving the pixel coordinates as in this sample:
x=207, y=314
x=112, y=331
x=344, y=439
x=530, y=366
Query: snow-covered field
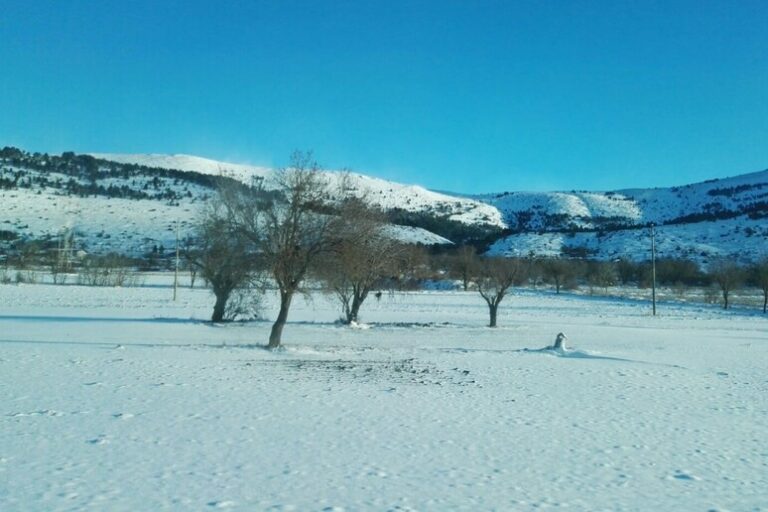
x=120, y=399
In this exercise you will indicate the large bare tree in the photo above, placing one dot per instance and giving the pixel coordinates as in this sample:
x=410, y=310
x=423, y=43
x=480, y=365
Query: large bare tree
x=495, y=277
x=289, y=222
x=297, y=233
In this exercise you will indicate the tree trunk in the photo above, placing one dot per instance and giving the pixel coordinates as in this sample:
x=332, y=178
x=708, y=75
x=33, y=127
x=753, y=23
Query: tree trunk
x=353, y=311
x=219, y=307
x=725, y=299
x=277, y=328
x=765, y=300
x=493, y=309
x=351, y=315
x=357, y=301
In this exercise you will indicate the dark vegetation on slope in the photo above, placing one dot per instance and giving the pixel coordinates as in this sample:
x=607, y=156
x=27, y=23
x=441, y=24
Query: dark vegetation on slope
x=479, y=235
x=84, y=175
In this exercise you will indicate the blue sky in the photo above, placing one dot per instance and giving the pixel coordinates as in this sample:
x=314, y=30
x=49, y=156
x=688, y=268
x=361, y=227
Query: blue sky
x=454, y=95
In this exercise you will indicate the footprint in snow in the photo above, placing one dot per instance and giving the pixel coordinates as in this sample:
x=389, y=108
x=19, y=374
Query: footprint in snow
x=221, y=504
x=685, y=475
x=45, y=412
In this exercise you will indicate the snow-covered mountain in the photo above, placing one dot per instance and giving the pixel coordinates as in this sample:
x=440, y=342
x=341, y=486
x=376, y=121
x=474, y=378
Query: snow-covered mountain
x=717, y=218
x=133, y=203
x=189, y=163
x=382, y=193
x=557, y=211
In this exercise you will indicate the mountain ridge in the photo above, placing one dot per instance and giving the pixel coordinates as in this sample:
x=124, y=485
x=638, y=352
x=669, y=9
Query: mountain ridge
x=714, y=218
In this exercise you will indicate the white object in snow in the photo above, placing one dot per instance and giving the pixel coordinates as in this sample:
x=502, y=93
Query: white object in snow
x=559, y=342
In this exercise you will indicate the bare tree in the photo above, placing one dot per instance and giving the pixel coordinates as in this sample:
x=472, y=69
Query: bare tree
x=365, y=255
x=28, y=254
x=601, y=274
x=224, y=258
x=760, y=276
x=533, y=269
x=296, y=233
x=728, y=276
x=291, y=227
x=187, y=248
x=626, y=271
x=464, y=264
x=109, y=270
x=558, y=272
x=413, y=266
x=59, y=258
x=495, y=277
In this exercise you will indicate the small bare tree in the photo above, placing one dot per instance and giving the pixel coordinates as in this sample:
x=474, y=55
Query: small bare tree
x=27, y=254
x=495, y=277
x=728, y=276
x=600, y=274
x=464, y=264
x=59, y=259
x=626, y=271
x=558, y=272
x=760, y=275
x=365, y=255
x=413, y=266
x=225, y=259
x=108, y=270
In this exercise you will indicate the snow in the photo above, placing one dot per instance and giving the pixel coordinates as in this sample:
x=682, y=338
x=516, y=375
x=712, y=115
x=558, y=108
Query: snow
x=543, y=222
x=631, y=206
x=579, y=207
x=382, y=193
x=126, y=226
x=102, y=225
x=121, y=399
x=242, y=172
x=414, y=235
x=741, y=239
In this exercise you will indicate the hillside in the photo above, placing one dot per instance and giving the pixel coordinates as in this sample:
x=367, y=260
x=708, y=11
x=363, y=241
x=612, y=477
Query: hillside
x=133, y=203
x=716, y=218
x=122, y=205
x=572, y=211
x=384, y=194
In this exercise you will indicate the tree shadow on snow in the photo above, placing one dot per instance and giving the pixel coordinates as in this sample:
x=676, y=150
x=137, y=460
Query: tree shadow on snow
x=121, y=346
x=53, y=318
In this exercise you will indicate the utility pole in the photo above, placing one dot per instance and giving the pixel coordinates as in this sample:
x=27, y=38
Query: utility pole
x=653, y=268
x=176, y=268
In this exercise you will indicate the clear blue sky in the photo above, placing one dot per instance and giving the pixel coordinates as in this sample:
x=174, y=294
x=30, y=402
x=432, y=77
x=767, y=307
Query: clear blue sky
x=469, y=96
